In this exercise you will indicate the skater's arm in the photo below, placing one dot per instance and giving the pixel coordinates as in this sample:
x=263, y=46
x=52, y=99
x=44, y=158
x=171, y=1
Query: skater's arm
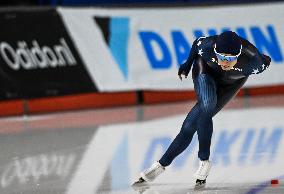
x=258, y=62
x=184, y=68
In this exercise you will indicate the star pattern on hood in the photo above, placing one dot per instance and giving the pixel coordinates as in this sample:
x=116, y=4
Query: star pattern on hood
x=255, y=71
x=199, y=43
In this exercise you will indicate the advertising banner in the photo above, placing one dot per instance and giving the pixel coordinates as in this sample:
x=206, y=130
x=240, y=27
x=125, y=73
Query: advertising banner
x=37, y=57
x=126, y=49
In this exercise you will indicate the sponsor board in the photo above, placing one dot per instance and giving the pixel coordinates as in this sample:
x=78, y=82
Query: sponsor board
x=38, y=58
x=142, y=48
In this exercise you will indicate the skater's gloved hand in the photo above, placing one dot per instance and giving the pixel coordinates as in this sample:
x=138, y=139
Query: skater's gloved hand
x=266, y=59
x=183, y=70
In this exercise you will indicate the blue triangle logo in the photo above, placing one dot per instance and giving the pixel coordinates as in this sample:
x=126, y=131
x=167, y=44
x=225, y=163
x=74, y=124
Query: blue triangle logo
x=118, y=42
x=116, y=34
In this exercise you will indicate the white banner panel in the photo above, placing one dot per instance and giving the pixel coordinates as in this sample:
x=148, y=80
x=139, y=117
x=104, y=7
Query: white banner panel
x=130, y=49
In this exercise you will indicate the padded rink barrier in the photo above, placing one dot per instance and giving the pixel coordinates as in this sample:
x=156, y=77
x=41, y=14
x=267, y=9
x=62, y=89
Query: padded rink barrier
x=83, y=101
x=12, y=108
x=116, y=99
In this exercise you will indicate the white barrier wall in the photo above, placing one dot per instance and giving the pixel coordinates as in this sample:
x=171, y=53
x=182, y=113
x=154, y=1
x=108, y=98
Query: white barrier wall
x=127, y=49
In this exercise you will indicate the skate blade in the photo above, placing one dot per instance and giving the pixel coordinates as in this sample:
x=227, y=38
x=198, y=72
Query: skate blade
x=140, y=186
x=200, y=184
x=139, y=183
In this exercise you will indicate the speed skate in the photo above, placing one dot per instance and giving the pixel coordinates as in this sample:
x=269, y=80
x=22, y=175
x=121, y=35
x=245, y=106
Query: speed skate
x=149, y=174
x=156, y=169
x=202, y=173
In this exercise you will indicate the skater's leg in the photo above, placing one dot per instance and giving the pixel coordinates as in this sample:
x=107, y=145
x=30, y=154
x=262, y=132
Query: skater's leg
x=209, y=108
x=227, y=92
x=180, y=143
x=205, y=125
x=205, y=88
x=205, y=130
x=188, y=129
x=177, y=146
x=183, y=139
x=207, y=97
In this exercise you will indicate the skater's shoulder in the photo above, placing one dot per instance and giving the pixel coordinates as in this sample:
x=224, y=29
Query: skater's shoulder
x=205, y=41
x=207, y=38
x=248, y=49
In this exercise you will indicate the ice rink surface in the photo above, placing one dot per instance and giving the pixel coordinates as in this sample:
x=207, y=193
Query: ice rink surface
x=103, y=151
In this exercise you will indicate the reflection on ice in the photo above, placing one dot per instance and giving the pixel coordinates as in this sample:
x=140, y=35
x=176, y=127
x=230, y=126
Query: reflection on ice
x=33, y=168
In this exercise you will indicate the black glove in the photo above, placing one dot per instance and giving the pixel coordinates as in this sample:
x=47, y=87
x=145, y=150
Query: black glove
x=266, y=59
x=183, y=69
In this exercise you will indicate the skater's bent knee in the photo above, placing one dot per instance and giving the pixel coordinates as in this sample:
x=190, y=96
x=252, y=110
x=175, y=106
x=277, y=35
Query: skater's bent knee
x=187, y=131
x=208, y=107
